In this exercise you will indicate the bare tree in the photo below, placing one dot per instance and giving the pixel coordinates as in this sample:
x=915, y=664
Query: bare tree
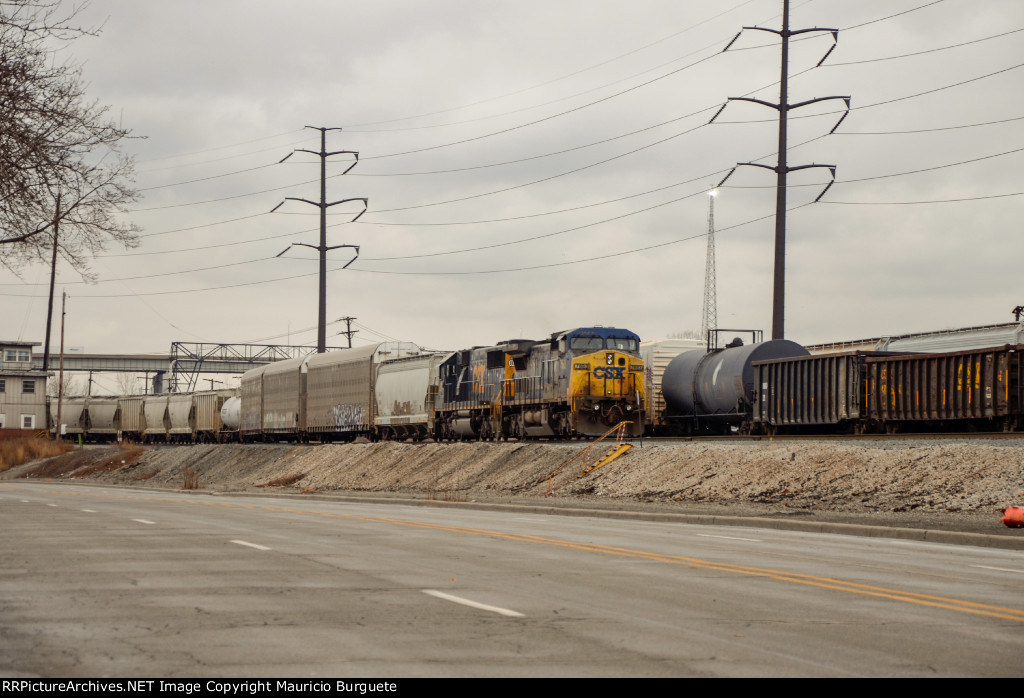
x=62, y=175
x=71, y=386
x=128, y=383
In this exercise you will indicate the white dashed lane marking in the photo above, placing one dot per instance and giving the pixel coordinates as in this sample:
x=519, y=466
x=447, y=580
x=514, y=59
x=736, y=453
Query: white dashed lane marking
x=144, y=521
x=250, y=545
x=708, y=535
x=472, y=604
x=998, y=569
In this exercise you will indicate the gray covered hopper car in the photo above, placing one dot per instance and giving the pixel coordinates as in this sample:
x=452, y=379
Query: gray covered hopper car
x=157, y=421
x=404, y=396
x=104, y=418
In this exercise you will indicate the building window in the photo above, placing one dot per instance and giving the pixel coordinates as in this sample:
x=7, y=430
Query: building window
x=2, y=421
x=3, y=385
x=28, y=386
x=18, y=355
x=28, y=421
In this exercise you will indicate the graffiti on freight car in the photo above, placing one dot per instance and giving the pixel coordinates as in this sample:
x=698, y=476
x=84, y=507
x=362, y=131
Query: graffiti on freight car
x=401, y=409
x=280, y=420
x=347, y=416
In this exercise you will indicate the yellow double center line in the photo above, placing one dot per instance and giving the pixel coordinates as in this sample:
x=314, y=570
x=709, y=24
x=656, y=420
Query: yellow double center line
x=944, y=602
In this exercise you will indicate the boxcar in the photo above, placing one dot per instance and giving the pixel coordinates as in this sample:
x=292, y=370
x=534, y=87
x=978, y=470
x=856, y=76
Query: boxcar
x=284, y=397
x=657, y=355
x=251, y=408
x=340, y=389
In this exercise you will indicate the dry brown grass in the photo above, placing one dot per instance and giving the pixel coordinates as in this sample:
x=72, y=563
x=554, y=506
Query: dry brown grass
x=284, y=480
x=17, y=451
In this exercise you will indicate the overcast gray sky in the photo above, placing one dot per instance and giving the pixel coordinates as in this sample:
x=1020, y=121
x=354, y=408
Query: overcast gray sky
x=536, y=166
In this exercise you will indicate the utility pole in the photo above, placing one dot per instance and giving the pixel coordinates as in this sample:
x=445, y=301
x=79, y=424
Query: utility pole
x=60, y=376
x=709, y=318
x=322, y=248
x=782, y=169
x=53, y=278
x=348, y=329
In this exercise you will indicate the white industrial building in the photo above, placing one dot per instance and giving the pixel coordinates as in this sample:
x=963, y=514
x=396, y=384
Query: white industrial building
x=22, y=390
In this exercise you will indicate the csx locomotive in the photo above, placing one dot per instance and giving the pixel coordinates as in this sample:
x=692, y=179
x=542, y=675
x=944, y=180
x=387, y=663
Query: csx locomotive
x=581, y=382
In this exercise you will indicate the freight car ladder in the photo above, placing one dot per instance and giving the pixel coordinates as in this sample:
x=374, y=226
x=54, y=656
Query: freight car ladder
x=617, y=450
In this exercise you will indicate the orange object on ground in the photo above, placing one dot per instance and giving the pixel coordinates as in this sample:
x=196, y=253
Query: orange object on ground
x=1013, y=517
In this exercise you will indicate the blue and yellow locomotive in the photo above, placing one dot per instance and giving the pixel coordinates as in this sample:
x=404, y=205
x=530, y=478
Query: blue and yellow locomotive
x=579, y=382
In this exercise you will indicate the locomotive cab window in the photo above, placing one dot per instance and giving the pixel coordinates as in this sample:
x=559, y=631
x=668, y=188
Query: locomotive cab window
x=622, y=343
x=587, y=343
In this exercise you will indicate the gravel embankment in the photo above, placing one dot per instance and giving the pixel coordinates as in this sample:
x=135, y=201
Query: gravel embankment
x=945, y=485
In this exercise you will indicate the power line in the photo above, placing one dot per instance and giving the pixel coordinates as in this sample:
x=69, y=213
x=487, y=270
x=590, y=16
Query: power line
x=932, y=201
x=153, y=276
x=538, y=237
x=224, y=147
x=603, y=257
x=546, y=118
x=224, y=198
x=499, y=191
x=898, y=14
x=551, y=81
x=549, y=178
x=921, y=53
x=276, y=148
x=205, y=225
x=925, y=130
x=207, y=179
x=893, y=174
x=545, y=266
x=541, y=156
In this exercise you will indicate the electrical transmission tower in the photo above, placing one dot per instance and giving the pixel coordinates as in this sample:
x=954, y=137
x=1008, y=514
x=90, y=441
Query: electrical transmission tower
x=782, y=169
x=709, y=319
x=322, y=248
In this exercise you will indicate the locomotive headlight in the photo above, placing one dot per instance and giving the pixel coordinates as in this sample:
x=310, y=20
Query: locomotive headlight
x=629, y=408
x=597, y=408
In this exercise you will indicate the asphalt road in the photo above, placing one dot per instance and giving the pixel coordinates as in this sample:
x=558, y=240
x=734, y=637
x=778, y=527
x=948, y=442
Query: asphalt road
x=115, y=582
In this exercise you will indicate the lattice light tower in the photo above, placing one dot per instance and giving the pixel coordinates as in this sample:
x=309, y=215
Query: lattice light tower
x=709, y=318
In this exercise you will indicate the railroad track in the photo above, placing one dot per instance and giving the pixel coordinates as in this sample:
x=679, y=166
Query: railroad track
x=909, y=436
